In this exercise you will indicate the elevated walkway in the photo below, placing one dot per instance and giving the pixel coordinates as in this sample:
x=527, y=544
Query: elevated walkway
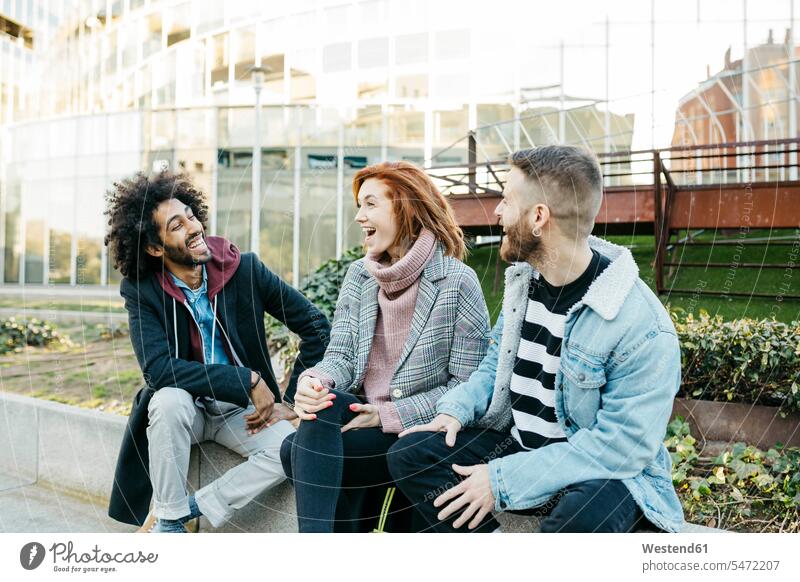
x=667, y=193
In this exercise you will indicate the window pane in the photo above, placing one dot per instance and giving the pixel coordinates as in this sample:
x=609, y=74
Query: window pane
x=411, y=48
x=452, y=44
x=129, y=39
x=152, y=34
x=219, y=56
x=373, y=52
x=164, y=80
x=336, y=57
x=449, y=126
x=35, y=207
x=277, y=210
x=209, y=15
x=178, y=22
x=89, y=228
x=412, y=86
x=366, y=128
x=406, y=128
x=13, y=243
x=244, y=51
x=234, y=195
x=61, y=208
x=317, y=211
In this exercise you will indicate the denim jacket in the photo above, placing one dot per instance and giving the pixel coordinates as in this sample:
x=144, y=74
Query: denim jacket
x=619, y=372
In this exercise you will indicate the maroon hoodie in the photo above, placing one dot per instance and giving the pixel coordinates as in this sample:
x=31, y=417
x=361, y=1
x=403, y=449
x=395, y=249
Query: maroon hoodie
x=225, y=257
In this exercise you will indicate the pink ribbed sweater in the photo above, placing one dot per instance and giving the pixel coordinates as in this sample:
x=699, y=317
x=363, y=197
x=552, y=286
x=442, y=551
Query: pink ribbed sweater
x=397, y=298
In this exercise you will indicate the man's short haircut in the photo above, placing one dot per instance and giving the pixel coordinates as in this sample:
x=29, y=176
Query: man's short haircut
x=571, y=182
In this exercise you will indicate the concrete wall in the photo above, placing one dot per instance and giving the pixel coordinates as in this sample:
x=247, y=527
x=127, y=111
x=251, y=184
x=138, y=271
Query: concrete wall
x=62, y=446
x=75, y=451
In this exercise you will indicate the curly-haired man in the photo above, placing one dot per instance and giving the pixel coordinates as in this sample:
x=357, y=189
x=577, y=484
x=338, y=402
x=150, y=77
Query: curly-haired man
x=196, y=309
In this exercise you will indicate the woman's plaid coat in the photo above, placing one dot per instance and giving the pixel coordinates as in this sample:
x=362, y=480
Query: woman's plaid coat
x=448, y=337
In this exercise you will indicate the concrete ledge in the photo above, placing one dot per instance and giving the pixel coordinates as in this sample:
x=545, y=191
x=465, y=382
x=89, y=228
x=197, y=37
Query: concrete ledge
x=762, y=426
x=62, y=446
x=75, y=450
x=273, y=511
x=511, y=523
x=18, y=455
x=65, y=316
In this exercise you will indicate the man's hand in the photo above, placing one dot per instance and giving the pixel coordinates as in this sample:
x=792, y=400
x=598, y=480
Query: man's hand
x=367, y=417
x=474, y=494
x=442, y=423
x=311, y=397
x=264, y=401
x=281, y=412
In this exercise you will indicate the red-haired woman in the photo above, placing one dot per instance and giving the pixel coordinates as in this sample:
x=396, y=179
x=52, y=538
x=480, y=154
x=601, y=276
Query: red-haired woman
x=410, y=324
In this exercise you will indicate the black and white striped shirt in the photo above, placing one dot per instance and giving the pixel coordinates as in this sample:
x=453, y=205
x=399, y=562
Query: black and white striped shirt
x=539, y=355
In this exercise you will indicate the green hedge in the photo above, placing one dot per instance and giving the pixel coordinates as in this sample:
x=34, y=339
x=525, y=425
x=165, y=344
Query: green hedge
x=744, y=360
x=321, y=288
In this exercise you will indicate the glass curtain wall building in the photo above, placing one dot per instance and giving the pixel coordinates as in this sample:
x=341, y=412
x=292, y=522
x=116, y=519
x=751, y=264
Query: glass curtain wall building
x=139, y=85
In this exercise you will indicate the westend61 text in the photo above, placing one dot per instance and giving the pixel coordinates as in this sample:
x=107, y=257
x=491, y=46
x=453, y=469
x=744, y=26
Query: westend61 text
x=96, y=555
x=673, y=549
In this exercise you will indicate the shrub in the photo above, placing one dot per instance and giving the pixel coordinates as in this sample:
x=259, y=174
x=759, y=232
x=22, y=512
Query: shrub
x=744, y=360
x=321, y=288
x=113, y=331
x=742, y=488
x=15, y=335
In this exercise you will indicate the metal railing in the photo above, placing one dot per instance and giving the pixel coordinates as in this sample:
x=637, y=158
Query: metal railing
x=703, y=188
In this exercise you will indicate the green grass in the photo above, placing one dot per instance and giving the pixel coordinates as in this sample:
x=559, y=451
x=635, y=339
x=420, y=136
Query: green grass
x=484, y=261
x=777, y=282
x=49, y=304
x=100, y=391
x=132, y=376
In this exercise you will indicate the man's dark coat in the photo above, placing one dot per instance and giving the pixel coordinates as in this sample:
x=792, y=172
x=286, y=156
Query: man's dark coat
x=244, y=290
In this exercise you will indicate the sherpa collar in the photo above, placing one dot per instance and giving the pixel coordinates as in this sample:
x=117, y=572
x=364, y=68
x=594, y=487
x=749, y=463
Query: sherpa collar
x=608, y=292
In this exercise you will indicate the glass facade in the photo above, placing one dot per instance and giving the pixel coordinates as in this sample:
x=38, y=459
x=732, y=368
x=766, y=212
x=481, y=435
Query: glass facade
x=139, y=85
x=57, y=177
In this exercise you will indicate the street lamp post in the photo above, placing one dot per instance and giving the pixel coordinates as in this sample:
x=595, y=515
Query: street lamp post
x=258, y=74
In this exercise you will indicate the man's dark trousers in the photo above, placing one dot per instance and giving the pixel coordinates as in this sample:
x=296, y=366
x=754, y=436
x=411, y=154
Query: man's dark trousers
x=421, y=465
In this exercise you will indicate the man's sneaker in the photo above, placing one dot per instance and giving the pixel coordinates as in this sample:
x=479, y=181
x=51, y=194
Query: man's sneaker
x=154, y=525
x=168, y=526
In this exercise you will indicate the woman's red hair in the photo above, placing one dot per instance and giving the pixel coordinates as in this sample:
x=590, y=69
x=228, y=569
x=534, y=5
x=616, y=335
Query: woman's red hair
x=417, y=203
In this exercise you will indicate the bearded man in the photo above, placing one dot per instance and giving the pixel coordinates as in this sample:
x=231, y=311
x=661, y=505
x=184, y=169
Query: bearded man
x=566, y=415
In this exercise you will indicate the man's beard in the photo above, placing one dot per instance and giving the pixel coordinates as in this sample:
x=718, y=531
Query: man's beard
x=520, y=244
x=182, y=255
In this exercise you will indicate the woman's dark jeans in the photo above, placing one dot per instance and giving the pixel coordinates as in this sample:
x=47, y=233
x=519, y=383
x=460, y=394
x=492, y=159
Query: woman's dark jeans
x=340, y=479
